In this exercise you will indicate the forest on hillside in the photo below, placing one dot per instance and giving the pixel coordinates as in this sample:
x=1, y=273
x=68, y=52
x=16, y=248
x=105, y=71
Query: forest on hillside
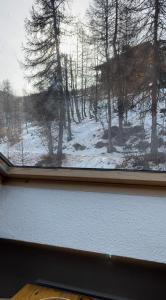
x=99, y=88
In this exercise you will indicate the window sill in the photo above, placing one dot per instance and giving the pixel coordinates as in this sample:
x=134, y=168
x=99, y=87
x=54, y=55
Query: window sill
x=90, y=176
x=142, y=178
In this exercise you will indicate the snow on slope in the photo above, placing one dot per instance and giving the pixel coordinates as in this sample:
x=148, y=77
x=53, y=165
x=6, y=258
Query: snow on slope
x=32, y=145
x=88, y=133
x=31, y=149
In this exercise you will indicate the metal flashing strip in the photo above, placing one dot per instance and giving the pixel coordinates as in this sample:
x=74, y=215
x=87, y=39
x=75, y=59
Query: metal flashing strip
x=3, y=168
x=5, y=165
x=5, y=160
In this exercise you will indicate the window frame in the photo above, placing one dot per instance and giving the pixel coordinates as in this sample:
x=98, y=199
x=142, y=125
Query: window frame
x=88, y=176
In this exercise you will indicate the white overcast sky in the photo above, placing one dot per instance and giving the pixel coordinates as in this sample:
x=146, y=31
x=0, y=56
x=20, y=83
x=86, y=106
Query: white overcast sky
x=12, y=35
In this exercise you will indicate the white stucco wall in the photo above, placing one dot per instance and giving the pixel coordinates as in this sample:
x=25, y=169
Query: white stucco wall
x=118, y=224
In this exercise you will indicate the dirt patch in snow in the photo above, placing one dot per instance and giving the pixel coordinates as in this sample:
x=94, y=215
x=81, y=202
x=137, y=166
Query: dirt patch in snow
x=100, y=144
x=78, y=146
x=49, y=161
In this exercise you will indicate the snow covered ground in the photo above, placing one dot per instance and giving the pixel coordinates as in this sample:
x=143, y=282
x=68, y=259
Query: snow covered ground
x=32, y=145
x=87, y=133
x=31, y=149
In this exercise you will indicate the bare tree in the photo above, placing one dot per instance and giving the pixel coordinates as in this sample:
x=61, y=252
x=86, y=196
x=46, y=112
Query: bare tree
x=7, y=109
x=152, y=28
x=100, y=23
x=66, y=63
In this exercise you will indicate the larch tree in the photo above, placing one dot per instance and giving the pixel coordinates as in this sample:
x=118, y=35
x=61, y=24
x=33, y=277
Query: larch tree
x=152, y=28
x=124, y=36
x=67, y=92
x=43, y=57
x=101, y=28
x=7, y=108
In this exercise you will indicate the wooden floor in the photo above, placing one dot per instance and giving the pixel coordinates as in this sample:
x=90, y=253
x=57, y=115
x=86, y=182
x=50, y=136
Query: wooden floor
x=34, y=292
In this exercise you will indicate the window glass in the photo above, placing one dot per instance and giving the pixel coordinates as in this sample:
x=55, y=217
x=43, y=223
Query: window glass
x=83, y=83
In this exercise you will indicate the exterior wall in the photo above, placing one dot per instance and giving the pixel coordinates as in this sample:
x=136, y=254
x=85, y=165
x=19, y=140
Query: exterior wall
x=111, y=222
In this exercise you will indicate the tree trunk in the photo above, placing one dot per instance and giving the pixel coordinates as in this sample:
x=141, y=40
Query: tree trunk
x=116, y=56
x=96, y=97
x=50, y=140
x=82, y=82
x=60, y=89
x=120, y=114
x=75, y=97
x=69, y=134
x=109, y=149
x=85, y=97
x=154, y=140
x=72, y=91
x=109, y=123
x=154, y=143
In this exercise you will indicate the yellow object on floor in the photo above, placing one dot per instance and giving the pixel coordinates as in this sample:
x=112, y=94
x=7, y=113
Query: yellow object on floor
x=34, y=292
